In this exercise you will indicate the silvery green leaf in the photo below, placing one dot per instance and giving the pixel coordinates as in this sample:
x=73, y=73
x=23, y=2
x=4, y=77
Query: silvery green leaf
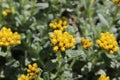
x=74, y=53
x=3, y=54
x=27, y=61
x=101, y=71
x=2, y=74
x=42, y=5
x=46, y=76
x=68, y=75
x=102, y=19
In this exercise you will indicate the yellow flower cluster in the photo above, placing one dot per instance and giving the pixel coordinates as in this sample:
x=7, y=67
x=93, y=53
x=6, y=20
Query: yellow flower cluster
x=7, y=37
x=108, y=42
x=116, y=2
x=103, y=77
x=59, y=24
x=33, y=71
x=6, y=12
x=86, y=43
x=62, y=40
x=92, y=1
x=23, y=77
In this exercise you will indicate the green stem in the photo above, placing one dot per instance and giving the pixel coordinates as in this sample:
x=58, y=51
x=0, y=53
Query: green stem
x=59, y=57
x=115, y=15
x=26, y=54
x=91, y=21
x=59, y=60
x=33, y=7
x=41, y=62
x=8, y=54
x=72, y=63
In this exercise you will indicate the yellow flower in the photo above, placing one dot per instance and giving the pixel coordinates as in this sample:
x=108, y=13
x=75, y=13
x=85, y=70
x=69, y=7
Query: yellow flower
x=54, y=41
x=92, y=2
x=7, y=37
x=55, y=48
x=108, y=42
x=111, y=52
x=6, y=12
x=58, y=24
x=33, y=71
x=86, y=43
x=116, y=2
x=35, y=65
x=23, y=77
x=61, y=44
x=98, y=41
x=51, y=36
x=29, y=66
x=65, y=23
x=103, y=77
x=63, y=49
x=62, y=40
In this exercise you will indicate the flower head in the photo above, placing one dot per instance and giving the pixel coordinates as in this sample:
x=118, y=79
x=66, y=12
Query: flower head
x=6, y=12
x=86, y=43
x=108, y=42
x=116, y=2
x=103, y=77
x=59, y=24
x=33, y=71
x=23, y=77
x=7, y=37
x=92, y=1
x=62, y=40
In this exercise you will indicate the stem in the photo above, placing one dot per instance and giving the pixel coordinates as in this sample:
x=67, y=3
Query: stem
x=8, y=54
x=41, y=62
x=91, y=21
x=115, y=15
x=72, y=63
x=59, y=60
x=59, y=57
x=26, y=54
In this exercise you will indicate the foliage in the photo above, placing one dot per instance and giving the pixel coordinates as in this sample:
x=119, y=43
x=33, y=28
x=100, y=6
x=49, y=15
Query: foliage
x=33, y=20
